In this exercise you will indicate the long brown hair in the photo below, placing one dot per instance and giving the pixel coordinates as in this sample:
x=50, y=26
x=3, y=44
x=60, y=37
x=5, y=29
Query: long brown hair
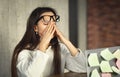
x=30, y=40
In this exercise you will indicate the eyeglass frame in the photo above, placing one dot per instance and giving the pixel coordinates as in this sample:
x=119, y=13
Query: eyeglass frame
x=57, y=18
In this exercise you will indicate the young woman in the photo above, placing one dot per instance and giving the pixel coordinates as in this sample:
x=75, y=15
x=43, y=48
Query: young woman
x=39, y=53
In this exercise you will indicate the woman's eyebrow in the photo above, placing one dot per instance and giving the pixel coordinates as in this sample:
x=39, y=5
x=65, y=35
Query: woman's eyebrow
x=47, y=15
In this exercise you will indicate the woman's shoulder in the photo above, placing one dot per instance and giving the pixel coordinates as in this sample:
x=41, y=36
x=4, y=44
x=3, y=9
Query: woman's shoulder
x=30, y=53
x=24, y=55
x=25, y=52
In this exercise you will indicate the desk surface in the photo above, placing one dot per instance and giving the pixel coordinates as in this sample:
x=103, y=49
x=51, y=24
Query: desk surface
x=71, y=74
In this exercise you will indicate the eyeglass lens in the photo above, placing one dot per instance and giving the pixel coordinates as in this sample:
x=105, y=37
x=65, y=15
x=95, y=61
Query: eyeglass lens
x=46, y=19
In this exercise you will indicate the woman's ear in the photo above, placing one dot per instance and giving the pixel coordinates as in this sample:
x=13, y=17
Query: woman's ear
x=36, y=28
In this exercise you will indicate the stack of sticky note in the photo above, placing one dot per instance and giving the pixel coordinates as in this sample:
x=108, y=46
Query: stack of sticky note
x=104, y=64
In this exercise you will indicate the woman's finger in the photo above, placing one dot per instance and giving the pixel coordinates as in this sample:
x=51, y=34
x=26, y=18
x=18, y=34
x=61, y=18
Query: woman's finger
x=46, y=29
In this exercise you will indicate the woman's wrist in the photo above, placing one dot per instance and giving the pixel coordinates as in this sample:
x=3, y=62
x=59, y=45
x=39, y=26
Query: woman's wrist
x=73, y=50
x=42, y=47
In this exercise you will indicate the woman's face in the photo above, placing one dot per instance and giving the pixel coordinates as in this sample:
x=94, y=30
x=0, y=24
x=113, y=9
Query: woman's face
x=45, y=19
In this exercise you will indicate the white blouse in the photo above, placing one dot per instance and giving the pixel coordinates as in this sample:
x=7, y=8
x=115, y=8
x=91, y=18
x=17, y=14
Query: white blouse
x=39, y=64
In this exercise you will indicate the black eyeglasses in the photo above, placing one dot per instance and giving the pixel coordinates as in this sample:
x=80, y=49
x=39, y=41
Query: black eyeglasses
x=47, y=18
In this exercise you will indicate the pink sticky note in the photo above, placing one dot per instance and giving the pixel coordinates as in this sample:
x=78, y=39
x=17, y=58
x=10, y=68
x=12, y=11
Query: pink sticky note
x=106, y=75
x=118, y=63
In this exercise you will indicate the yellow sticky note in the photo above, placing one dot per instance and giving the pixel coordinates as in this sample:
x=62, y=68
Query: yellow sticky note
x=116, y=70
x=105, y=66
x=106, y=54
x=95, y=73
x=93, y=59
x=117, y=54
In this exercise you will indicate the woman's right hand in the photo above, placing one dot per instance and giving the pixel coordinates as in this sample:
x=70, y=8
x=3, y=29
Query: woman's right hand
x=46, y=37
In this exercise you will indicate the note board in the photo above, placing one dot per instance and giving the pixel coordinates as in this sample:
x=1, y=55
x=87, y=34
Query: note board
x=107, y=63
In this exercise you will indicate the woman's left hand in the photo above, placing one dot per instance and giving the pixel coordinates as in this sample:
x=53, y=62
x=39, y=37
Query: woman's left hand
x=59, y=35
x=73, y=50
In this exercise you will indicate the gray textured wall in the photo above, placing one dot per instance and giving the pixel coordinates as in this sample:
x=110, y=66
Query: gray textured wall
x=13, y=16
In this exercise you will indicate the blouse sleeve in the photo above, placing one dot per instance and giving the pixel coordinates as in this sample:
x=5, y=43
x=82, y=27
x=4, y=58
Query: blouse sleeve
x=31, y=64
x=75, y=63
